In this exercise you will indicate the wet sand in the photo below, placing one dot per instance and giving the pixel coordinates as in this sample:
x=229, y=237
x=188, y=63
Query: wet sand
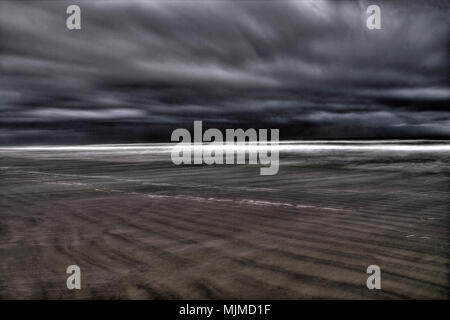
x=140, y=227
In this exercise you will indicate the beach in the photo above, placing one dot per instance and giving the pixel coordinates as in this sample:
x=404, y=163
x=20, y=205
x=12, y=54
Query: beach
x=140, y=227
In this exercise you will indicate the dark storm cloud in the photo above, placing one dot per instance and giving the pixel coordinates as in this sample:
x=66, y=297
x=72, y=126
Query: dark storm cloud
x=310, y=68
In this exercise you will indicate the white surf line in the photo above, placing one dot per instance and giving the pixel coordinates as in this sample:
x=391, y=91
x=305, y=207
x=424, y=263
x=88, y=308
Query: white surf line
x=315, y=147
x=163, y=147
x=368, y=145
x=385, y=141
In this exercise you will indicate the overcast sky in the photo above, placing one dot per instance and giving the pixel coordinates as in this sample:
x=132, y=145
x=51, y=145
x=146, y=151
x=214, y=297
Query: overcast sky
x=139, y=69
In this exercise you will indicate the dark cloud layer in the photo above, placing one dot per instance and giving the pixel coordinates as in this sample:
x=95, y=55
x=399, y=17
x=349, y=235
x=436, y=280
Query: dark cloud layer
x=139, y=69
